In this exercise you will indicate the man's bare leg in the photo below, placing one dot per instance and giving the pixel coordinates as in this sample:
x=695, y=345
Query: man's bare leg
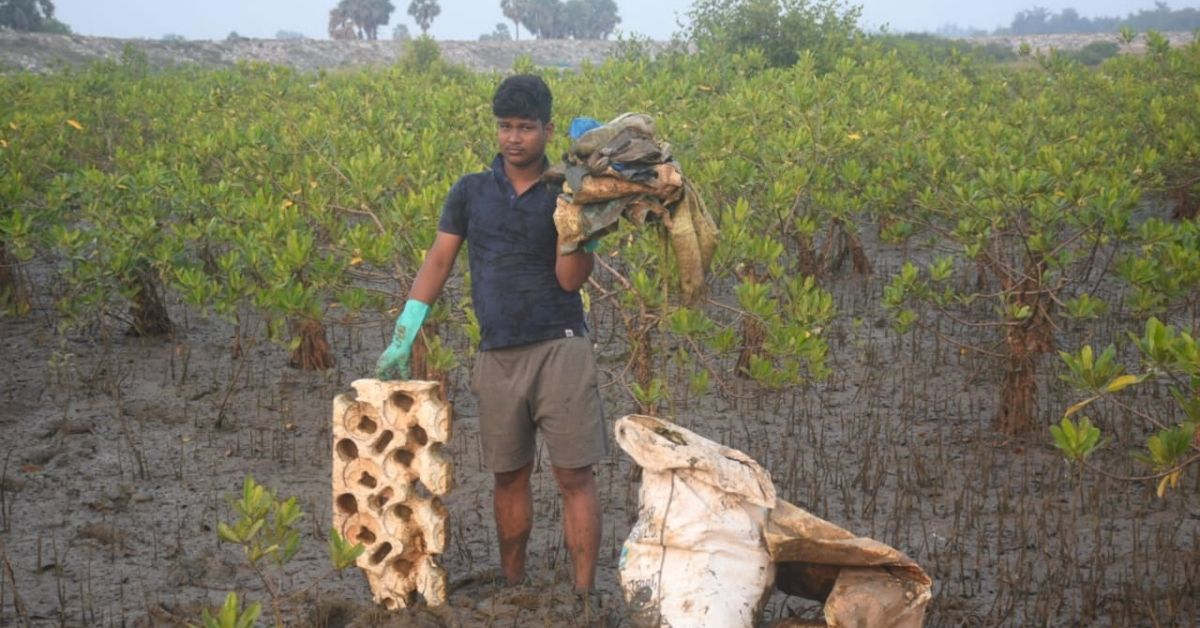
x=581, y=522
x=512, y=502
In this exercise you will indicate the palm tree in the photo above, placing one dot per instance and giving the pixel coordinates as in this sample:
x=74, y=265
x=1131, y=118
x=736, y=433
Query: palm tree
x=423, y=11
x=515, y=10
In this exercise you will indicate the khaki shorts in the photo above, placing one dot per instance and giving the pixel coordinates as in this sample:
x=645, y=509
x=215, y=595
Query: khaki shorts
x=549, y=386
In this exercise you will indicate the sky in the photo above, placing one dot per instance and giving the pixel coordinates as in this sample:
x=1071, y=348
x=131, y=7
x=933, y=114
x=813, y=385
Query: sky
x=467, y=19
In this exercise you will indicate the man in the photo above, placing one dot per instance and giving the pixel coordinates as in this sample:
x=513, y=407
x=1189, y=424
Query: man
x=535, y=369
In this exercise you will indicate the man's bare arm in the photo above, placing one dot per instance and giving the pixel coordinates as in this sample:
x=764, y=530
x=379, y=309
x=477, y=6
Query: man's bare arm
x=573, y=269
x=439, y=261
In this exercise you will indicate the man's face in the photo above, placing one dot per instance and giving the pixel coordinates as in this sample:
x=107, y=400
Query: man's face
x=522, y=140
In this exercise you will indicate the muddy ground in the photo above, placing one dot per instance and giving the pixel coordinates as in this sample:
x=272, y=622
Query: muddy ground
x=116, y=472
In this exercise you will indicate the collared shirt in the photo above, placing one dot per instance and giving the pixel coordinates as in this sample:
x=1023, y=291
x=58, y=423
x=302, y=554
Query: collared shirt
x=511, y=248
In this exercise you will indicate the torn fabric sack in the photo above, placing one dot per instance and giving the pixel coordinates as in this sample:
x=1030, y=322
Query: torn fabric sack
x=861, y=581
x=621, y=169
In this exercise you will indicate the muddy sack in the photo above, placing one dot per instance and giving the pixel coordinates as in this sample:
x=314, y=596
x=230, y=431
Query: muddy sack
x=697, y=555
x=621, y=169
x=861, y=581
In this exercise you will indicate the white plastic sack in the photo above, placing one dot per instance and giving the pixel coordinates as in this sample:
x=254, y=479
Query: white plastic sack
x=696, y=556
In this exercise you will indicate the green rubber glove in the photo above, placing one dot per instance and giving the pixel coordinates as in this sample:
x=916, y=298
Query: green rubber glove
x=394, y=362
x=591, y=245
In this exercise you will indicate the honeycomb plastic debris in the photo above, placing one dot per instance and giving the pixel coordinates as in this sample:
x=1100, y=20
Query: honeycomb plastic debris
x=388, y=474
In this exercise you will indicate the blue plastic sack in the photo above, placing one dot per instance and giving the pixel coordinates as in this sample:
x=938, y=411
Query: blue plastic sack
x=582, y=125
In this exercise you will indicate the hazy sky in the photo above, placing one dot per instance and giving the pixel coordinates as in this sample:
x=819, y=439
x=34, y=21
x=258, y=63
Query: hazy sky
x=467, y=19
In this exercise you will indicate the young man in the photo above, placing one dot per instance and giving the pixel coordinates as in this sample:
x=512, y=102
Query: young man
x=535, y=369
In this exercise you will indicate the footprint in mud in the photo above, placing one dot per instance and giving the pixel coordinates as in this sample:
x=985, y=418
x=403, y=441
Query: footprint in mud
x=484, y=599
x=103, y=533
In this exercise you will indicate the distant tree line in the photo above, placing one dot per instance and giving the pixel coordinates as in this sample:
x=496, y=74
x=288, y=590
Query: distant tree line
x=31, y=16
x=555, y=19
x=779, y=29
x=1040, y=21
x=500, y=34
x=361, y=19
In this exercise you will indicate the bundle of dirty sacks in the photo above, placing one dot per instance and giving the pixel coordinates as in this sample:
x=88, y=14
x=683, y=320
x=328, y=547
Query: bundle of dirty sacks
x=621, y=169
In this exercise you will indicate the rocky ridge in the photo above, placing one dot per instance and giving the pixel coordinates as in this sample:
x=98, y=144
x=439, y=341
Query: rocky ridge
x=39, y=52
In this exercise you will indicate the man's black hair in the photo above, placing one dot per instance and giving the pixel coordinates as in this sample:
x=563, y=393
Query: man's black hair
x=523, y=96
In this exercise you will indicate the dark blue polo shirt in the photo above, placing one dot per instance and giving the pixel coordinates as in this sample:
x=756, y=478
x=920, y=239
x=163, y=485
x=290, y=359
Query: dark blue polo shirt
x=512, y=247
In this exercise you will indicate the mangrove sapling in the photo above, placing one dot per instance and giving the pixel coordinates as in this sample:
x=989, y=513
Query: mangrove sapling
x=1163, y=122
x=1167, y=355
x=267, y=530
x=645, y=300
x=636, y=306
x=780, y=318
x=840, y=243
x=147, y=311
x=24, y=216
x=1034, y=231
x=432, y=360
x=311, y=350
x=14, y=293
x=6, y=500
x=752, y=329
x=1163, y=272
x=230, y=615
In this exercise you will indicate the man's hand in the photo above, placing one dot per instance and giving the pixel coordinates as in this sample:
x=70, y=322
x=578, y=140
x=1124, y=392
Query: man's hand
x=394, y=362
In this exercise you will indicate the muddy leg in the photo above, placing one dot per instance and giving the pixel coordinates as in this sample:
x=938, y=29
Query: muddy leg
x=581, y=522
x=513, y=504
